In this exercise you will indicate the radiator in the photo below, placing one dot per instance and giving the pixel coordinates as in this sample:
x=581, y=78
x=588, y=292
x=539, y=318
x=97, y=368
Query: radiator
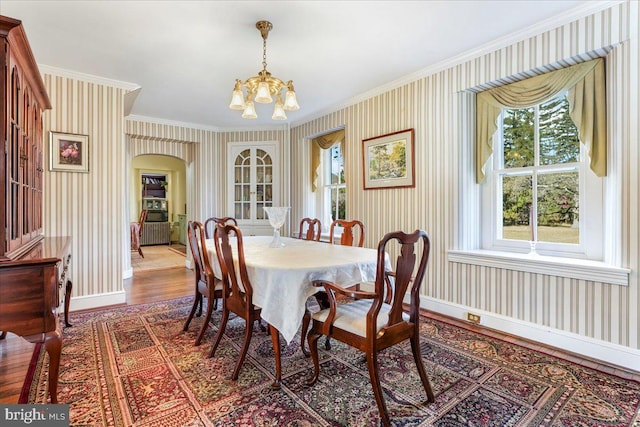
x=156, y=233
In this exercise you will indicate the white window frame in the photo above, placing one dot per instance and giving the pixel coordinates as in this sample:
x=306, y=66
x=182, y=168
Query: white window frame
x=467, y=244
x=324, y=187
x=591, y=202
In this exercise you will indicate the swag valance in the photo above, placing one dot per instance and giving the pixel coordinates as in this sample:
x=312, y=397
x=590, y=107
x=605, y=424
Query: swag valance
x=585, y=86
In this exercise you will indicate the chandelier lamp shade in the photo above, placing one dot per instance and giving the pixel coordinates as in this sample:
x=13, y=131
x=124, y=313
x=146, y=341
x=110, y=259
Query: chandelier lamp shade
x=264, y=87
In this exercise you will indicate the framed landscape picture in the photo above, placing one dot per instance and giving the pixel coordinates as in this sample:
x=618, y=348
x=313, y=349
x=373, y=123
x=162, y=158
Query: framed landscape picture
x=388, y=160
x=68, y=152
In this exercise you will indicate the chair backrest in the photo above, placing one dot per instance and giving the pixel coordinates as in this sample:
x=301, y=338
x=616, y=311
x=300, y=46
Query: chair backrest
x=350, y=229
x=195, y=235
x=237, y=289
x=310, y=229
x=141, y=220
x=406, y=272
x=214, y=221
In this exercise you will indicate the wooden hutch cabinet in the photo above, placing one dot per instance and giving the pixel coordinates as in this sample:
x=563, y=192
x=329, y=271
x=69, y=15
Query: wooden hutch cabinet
x=33, y=268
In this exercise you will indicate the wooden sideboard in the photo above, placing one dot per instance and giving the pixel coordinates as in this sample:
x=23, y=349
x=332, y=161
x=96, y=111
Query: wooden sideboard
x=31, y=289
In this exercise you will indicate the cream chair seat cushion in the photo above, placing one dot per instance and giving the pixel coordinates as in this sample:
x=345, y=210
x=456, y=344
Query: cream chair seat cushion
x=352, y=316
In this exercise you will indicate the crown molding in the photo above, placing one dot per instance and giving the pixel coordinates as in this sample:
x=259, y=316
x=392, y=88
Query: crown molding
x=588, y=8
x=155, y=120
x=76, y=75
x=266, y=128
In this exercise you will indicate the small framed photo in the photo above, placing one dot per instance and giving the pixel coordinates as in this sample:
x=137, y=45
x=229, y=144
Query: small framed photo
x=388, y=160
x=68, y=152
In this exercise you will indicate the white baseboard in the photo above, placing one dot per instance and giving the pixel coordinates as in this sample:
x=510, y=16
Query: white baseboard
x=96, y=301
x=609, y=353
x=127, y=274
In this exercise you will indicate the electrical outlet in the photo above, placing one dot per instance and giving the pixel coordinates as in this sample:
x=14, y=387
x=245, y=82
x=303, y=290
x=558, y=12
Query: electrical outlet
x=475, y=318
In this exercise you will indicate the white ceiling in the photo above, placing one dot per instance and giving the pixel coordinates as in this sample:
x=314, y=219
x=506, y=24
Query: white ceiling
x=185, y=55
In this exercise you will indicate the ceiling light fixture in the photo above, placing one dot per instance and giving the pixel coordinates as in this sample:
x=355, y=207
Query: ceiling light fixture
x=263, y=87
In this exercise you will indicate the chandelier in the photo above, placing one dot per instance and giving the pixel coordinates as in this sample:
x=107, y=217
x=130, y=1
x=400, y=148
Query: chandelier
x=263, y=87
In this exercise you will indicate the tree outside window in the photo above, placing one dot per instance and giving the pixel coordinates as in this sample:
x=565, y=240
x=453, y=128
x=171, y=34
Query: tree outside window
x=539, y=174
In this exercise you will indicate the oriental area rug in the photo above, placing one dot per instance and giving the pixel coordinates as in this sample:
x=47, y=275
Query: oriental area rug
x=135, y=366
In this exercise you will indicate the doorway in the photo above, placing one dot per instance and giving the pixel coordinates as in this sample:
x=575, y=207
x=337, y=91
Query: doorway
x=158, y=184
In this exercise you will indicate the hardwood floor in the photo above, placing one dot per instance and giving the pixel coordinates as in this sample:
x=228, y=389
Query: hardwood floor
x=159, y=285
x=143, y=287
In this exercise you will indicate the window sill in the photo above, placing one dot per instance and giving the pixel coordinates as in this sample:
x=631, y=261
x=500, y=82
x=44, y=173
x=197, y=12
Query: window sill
x=564, y=267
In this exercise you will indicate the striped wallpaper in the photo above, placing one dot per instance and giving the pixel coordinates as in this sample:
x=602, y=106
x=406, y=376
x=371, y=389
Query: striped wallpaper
x=91, y=208
x=88, y=206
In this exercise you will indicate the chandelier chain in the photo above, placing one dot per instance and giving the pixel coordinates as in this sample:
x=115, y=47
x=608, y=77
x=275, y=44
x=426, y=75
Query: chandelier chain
x=264, y=54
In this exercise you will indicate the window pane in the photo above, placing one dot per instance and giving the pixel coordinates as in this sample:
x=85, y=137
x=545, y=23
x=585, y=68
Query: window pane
x=516, y=207
x=337, y=163
x=558, y=134
x=519, y=137
x=341, y=203
x=334, y=201
x=558, y=208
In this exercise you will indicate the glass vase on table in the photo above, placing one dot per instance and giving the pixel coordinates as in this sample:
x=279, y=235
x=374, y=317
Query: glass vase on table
x=277, y=217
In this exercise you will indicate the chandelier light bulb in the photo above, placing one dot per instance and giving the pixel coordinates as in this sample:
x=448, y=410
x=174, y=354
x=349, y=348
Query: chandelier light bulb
x=263, y=94
x=250, y=110
x=278, y=110
x=290, y=101
x=237, y=98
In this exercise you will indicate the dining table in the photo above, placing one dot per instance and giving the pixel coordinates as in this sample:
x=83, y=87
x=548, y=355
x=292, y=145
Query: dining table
x=282, y=278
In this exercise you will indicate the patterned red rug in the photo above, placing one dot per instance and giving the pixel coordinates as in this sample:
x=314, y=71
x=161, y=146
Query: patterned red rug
x=135, y=366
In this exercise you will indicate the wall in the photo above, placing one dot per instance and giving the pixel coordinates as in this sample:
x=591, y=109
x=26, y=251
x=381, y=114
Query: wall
x=600, y=317
x=89, y=206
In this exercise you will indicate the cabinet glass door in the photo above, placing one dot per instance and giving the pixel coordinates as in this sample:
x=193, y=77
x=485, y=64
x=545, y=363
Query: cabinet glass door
x=253, y=184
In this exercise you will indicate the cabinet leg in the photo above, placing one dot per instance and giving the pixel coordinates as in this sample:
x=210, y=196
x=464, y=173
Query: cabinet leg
x=67, y=300
x=53, y=345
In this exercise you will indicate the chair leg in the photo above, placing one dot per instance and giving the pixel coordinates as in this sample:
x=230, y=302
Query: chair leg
x=372, y=364
x=205, y=324
x=193, y=310
x=303, y=333
x=312, y=340
x=215, y=304
x=323, y=301
x=200, y=309
x=248, y=332
x=221, y=328
x=415, y=348
x=140, y=251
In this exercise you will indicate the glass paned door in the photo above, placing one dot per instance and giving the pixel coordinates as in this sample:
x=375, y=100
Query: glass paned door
x=254, y=179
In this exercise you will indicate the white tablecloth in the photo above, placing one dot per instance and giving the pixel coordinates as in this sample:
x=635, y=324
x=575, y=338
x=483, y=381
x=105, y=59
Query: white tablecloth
x=281, y=277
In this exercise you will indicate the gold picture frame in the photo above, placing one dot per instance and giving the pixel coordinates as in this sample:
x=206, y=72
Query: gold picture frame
x=68, y=152
x=388, y=160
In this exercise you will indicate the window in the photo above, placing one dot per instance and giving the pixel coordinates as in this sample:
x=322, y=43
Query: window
x=540, y=194
x=332, y=188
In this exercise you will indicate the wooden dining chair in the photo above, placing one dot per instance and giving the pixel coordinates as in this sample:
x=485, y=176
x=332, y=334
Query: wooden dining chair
x=237, y=290
x=206, y=284
x=141, y=221
x=350, y=230
x=310, y=229
x=214, y=221
x=376, y=320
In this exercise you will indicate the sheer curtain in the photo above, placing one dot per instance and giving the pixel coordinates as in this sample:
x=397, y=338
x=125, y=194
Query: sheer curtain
x=585, y=86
